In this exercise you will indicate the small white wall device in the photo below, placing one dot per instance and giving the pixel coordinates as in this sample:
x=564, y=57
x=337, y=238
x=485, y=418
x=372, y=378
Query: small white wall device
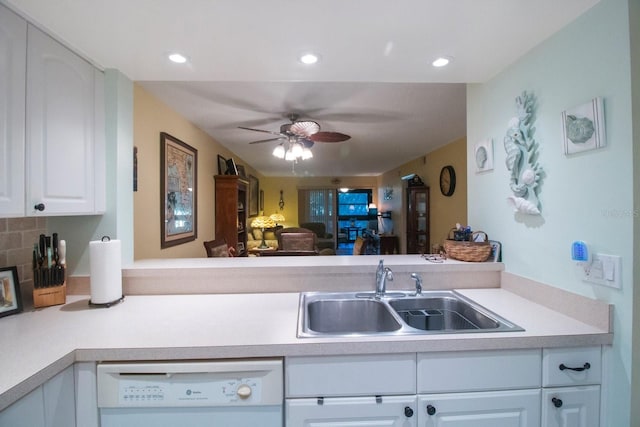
x=580, y=252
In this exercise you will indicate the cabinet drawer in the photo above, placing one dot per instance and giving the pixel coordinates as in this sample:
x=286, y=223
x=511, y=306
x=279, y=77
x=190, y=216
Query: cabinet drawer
x=571, y=366
x=478, y=370
x=361, y=375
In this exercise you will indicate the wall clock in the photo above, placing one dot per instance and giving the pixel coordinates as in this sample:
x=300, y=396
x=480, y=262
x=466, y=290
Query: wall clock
x=447, y=180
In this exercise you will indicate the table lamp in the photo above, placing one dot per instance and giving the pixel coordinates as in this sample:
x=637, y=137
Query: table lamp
x=263, y=222
x=277, y=218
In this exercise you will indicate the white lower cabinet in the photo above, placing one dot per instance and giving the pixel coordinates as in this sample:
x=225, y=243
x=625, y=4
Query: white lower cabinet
x=509, y=408
x=489, y=388
x=26, y=412
x=384, y=411
x=349, y=391
x=571, y=379
x=50, y=405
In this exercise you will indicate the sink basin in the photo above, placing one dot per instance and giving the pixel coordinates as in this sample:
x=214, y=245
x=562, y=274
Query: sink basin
x=350, y=316
x=442, y=313
x=325, y=314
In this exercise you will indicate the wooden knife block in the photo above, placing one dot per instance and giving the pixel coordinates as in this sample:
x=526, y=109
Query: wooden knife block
x=53, y=295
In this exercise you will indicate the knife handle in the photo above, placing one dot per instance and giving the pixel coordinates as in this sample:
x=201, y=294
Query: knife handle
x=54, y=245
x=62, y=252
x=42, y=242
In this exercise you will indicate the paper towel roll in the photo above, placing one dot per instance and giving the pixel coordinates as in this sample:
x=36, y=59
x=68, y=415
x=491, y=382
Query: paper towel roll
x=105, y=263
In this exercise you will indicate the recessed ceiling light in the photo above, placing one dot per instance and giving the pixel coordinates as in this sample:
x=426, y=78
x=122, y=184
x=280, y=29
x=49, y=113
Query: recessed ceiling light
x=309, y=58
x=441, y=62
x=177, y=58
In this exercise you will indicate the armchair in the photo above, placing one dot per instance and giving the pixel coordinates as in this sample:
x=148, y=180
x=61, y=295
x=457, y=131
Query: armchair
x=218, y=248
x=324, y=240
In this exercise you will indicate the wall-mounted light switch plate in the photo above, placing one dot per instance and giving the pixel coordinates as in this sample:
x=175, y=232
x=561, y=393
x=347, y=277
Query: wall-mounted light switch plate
x=604, y=270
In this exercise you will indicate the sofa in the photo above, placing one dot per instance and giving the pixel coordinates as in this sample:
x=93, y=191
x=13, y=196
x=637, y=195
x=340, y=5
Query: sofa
x=324, y=240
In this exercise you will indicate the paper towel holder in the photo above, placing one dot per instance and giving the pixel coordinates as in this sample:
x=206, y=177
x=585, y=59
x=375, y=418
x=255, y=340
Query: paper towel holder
x=106, y=304
x=110, y=303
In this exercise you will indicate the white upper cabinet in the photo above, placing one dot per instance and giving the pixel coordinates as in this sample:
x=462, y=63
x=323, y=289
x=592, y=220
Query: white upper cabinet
x=52, y=142
x=13, y=63
x=64, y=131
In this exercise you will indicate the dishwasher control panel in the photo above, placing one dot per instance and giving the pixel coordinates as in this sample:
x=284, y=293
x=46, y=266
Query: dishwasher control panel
x=183, y=389
x=223, y=383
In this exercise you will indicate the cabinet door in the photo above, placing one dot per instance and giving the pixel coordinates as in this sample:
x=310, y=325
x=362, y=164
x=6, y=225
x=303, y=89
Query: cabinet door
x=571, y=407
x=418, y=220
x=13, y=62
x=60, y=128
x=26, y=412
x=386, y=411
x=514, y=408
x=59, y=400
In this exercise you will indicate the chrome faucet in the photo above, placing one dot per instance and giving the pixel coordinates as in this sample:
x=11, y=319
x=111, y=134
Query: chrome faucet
x=418, y=279
x=382, y=275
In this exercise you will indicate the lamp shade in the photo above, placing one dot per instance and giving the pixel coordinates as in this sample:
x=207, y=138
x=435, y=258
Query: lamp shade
x=262, y=222
x=277, y=218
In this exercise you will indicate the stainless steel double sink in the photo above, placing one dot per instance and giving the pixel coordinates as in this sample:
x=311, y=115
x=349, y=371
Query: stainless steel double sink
x=325, y=314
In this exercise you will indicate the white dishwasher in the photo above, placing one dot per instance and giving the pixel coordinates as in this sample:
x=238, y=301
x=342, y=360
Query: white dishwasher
x=238, y=393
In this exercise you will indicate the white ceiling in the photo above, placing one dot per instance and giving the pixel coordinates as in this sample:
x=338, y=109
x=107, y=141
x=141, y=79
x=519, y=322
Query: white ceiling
x=374, y=80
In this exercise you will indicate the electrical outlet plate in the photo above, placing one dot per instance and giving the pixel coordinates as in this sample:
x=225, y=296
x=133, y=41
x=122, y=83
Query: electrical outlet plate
x=604, y=270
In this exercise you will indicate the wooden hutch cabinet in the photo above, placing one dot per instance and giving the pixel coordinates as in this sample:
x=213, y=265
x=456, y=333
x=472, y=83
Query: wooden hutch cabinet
x=417, y=220
x=231, y=211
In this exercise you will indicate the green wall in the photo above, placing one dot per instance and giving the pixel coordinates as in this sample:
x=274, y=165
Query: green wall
x=117, y=221
x=588, y=196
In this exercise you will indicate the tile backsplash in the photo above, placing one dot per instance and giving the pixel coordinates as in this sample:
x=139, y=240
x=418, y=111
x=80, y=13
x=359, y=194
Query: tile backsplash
x=17, y=237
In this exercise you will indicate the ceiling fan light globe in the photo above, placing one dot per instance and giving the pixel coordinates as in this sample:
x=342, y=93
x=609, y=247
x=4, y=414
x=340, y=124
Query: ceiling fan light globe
x=297, y=150
x=279, y=151
x=306, y=154
x=289, y=156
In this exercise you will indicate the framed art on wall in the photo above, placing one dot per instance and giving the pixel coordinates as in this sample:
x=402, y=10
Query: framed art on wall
x=483, y=154
x=583, y=127
x=254, y=195
x=10, y=297
x=178, y=191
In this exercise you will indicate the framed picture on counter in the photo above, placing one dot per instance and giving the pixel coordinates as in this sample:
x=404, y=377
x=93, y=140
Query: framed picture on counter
x=10, y=297
x=496, y=251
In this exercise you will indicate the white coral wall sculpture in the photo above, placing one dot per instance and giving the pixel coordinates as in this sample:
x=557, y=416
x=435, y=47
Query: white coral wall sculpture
x=521, y=161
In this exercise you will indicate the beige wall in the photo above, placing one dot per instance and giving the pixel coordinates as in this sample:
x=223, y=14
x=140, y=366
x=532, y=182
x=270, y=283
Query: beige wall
x=150, y=118
x=444, y=211
x=447, y=211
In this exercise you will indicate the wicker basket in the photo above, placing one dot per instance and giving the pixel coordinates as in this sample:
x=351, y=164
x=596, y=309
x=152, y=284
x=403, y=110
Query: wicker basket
x=468, y=250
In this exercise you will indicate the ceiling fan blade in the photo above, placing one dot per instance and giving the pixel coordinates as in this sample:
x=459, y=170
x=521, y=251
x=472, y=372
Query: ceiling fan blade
x=260, y=130
x=266, y=140
x=328, y=137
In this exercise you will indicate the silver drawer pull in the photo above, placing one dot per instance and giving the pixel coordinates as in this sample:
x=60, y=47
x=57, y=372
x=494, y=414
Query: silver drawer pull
x=586, y=366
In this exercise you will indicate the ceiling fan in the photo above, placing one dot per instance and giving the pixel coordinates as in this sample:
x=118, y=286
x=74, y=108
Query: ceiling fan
x=306, y=132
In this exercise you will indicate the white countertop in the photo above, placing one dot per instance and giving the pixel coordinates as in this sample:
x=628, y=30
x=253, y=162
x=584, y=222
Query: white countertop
x=38, y=344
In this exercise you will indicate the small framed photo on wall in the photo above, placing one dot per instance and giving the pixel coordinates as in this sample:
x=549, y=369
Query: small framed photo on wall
x=483, y=155
x=583, y=127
